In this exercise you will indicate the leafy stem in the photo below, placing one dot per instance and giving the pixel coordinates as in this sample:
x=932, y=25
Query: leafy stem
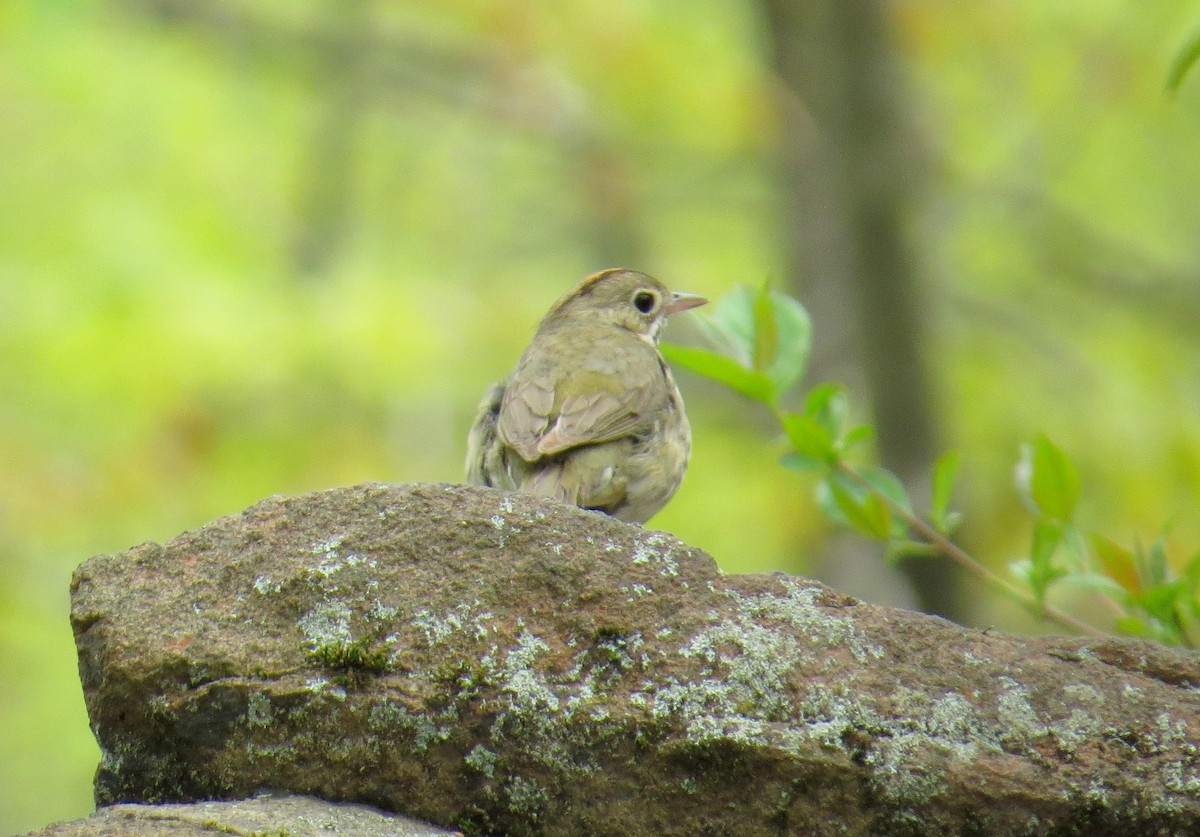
x=944, y=546
x=762, y=341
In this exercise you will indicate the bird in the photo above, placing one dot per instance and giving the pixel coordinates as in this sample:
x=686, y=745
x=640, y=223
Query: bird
x=591, y=415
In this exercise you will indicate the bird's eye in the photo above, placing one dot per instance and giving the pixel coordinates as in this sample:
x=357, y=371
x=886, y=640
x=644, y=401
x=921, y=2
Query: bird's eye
x=645, y=301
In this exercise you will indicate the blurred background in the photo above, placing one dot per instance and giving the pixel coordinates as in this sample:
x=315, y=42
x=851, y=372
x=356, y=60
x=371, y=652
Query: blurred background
x=250, y=248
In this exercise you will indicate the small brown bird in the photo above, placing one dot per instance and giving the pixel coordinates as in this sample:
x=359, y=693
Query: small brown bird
x=591, y=415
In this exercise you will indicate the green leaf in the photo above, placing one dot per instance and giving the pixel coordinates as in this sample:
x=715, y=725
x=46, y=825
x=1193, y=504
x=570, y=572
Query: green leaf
x=901, y=548
x=722, y=369
x=1185, y=59
x=1160, y=600
x=825, y=398
x=1047, y=535
x=1165, y=627
x=1076, y=545
x=1099, y=583
x=809, y=437
x=762, y=331
x=1023, y=570
x=877, y=518
x=1042, y=571
x=829, y=505
x=793, y=332
x=1043, y=580
x=826, y=404
x=857, y=435
x=730, y=325
x=848, y=503
x=1158, y=569
x=1132, y=626
x=889, y=485
x=1053, y=481
x=945, y=471
x=794, y=461
x=766, y=333
x=1117, y=562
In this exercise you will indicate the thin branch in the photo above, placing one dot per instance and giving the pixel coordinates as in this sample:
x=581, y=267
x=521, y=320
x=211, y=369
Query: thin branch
x=957, y=554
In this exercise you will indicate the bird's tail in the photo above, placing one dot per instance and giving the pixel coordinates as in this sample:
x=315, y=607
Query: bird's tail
x=483, y=446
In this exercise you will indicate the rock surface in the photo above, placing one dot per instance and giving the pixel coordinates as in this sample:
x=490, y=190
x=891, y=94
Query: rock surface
x=266, y=816
x=499, y=664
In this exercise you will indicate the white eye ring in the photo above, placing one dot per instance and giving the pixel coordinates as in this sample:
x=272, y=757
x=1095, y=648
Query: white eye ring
x=645, y=301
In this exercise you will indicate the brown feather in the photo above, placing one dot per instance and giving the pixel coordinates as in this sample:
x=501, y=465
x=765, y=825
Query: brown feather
x=590, y=415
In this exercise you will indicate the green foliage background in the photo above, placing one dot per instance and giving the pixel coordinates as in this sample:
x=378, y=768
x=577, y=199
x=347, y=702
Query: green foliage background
x=162, y=363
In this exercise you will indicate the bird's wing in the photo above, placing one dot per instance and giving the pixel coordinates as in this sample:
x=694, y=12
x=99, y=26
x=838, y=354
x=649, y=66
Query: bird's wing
x=525, y=414
x=542, y=416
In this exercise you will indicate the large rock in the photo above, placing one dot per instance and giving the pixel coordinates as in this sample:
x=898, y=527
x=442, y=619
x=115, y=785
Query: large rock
x=496, y=663
x=264, y=816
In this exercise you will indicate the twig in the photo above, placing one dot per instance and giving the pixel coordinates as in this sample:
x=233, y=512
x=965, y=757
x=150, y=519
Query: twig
x=957, y=554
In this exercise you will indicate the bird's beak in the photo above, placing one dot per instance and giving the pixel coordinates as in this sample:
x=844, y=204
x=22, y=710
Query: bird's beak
x=682, y=302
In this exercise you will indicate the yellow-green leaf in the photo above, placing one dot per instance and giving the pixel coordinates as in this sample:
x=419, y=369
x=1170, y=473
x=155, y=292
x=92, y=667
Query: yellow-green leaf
x=809, y=437
x=1053, y=481
x=1185, y=59
x=766, y=333
x=1118, y=563
x=945, y=470
x=722, y=369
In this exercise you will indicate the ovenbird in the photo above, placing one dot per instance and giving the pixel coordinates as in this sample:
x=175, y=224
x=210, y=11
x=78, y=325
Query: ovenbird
x=591, y=415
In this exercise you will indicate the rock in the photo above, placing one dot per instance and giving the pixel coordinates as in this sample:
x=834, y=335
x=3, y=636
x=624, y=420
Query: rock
x=502, y=664
x=266, y=816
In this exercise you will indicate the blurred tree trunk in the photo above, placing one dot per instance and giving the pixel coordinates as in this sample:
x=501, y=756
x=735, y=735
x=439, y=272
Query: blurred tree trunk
x=849, y=175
